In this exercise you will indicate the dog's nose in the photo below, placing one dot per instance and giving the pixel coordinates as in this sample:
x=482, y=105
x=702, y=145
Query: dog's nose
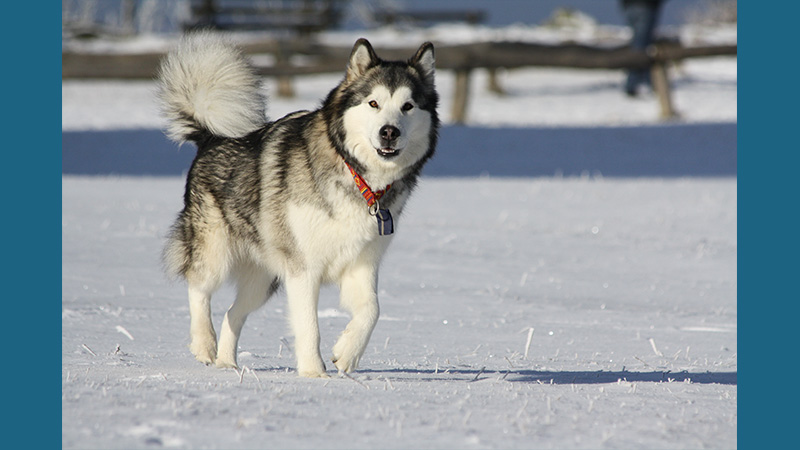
x=389, y=134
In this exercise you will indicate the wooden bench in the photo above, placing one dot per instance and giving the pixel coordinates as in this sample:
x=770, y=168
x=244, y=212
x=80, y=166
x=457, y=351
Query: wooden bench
x=300, y=17
x=428, y=17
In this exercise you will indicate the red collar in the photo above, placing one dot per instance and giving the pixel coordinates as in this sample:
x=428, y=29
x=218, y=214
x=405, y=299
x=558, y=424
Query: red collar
x=369, y=195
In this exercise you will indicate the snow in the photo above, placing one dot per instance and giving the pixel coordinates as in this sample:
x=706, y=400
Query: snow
x=629, y=284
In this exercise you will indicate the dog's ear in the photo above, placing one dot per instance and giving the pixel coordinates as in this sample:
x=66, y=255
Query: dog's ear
x=361, y=58
x=424, y=60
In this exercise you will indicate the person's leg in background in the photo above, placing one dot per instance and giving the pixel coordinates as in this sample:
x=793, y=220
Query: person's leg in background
x=641, y=16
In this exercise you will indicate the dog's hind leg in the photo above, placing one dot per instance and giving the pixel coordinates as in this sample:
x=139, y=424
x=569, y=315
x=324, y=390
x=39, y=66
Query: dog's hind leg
x=204, y=339
x=302, y=291
x=208, y=268
x=359, y=297
x=254, y=287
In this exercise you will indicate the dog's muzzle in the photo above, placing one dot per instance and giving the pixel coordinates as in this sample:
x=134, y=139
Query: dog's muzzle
x=388, y=136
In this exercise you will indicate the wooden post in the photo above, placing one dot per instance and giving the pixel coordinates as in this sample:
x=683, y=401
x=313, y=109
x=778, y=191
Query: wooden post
x=658, y=74
x=460, y=96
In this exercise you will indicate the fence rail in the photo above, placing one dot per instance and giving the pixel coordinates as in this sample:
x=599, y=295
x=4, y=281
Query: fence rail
x=462, y=59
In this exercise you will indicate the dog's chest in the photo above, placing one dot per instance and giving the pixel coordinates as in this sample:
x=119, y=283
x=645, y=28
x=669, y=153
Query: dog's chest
x=334, y=238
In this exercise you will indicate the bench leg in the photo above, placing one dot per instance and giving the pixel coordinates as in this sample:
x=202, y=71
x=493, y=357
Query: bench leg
x=285, y=87
x=494, y=83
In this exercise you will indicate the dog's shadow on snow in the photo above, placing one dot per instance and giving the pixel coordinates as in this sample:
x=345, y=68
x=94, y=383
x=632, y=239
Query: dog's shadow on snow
x=553, y=377
x=470, y=375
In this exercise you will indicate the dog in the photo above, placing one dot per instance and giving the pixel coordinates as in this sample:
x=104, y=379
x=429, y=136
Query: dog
x=308, y=199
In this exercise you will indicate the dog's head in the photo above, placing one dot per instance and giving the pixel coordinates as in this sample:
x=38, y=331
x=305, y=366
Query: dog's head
x=388, y=109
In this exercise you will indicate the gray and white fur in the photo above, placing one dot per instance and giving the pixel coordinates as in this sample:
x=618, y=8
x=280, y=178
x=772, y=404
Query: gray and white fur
x=271, y=204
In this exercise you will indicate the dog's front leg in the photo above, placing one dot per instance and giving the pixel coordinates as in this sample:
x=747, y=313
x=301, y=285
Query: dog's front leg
x=302, y=291
x=359, y=297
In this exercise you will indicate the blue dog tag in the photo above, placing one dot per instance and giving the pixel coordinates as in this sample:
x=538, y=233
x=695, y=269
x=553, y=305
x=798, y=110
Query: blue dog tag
x=385, y=223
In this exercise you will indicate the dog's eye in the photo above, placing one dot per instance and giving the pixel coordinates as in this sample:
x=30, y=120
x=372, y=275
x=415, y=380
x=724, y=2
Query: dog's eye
x=373, y=103
x=407, y=106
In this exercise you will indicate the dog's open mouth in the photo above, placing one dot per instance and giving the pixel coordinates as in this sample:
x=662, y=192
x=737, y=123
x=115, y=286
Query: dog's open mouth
x=388, y=152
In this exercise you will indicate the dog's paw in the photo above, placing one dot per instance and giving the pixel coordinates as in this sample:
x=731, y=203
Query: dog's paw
x=204, y=351
x=313, y=374
x=226, y=355
x=223, y=363
x=312, y=369
x=345, y=365
x=348, y=350
x=345, y=356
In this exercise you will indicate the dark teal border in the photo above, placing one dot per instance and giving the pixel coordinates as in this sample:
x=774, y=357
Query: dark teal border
x=767, y=221
x=31, y=219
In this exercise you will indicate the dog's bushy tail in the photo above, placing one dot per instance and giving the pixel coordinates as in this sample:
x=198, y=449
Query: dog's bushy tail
x=207, y=86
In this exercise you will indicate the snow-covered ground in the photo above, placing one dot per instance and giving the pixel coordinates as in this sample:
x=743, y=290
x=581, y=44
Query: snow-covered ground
x=547, y=312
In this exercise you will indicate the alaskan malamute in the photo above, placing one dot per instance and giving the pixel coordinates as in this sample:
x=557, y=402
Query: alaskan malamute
x=310, y=198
